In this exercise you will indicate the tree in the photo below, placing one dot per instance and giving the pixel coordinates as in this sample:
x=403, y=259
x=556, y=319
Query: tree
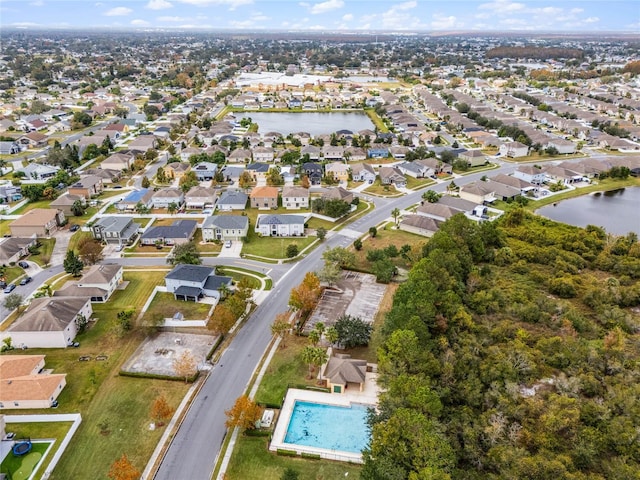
x=340, y=256
x=222, y=320
x=373, y=231
x=431, y=196
x=395, y=213
x=145, y=183
x=353, y=331
x=274, y=178
x=289, y=474
x=72, y=264
x=304, y=297
x=185, y=253
x=184, y=365
x=13, y=301
x=292, y=250
x=357, y=244
x=77, y=208
x=384, y=270
x=188, y=181
x=172, y=208
x=332, y=335
x=123, y=469
x=321, y=233
x=142, y=209
x=90, y=251
x=280, y=327
x=161, y=411
x=313, y=356
x=124, y=320
x=244, y=414
x=330, y=273
x=245, y=180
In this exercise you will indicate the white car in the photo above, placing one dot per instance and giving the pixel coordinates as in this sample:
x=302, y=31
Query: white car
x=227, y=244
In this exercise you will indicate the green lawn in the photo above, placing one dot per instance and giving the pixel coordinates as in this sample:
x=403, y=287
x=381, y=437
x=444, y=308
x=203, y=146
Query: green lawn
x=31, y=205
x=12, y=273
x=252, y=460
x=237, y=275
x=76, y=238
x=382, y=190
x=165, y=305
x=416, y=183
x=390, y=236
x=20, y=468
x=45, y=249
x=273, y=247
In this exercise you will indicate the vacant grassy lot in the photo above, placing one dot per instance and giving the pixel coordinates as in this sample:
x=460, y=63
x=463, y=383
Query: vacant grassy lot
x=45, y=249
x=252, y=460
x=76, y=238
x=166, y=306
x=390, y=236
x=273, y=247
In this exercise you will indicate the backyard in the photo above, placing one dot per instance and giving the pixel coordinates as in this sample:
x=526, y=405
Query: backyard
x=21, y=467
x=164, y=305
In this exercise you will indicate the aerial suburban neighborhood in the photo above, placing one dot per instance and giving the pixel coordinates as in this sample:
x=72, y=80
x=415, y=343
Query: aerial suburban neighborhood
x=300, y=254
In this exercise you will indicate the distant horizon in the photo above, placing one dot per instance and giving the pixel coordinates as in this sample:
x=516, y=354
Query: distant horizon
x=330, y=16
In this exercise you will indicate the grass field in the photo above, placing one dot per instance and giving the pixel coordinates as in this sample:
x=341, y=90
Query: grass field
x=165, y=305
x=382, y=190
x=390, y=236
x=273, y=247
x=76, y=238
x=252, y=460
x=237, y=275
x=45, y=249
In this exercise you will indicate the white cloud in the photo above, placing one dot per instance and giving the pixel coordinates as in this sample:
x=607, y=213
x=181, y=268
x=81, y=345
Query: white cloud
x=24, y=24
x=167, y=18
x=348, y=17
x=327, y=6
x=205, y=3
x=158, y=5
x=406, y=5
x=139, y=22
x=502, y=6
x=37, y=3
x=442, y=22
x=399, y=17
x=577, y=10
x=591, y=20
x=118, y=12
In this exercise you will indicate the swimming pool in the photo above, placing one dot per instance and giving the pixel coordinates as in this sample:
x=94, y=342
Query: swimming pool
x=330, y=427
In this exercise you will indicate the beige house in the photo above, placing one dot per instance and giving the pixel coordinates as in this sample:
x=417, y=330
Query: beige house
x=89, y=186
x=419, y=224
x=117, y=162
x=295, y=198
x=25, y=383
x=40, y=222
x=200, y=197
x=98, y=283
x=49, y=322
x=342, y=372
x=65, y=203
x=12, y=249
x=176, y=170
x=264, y=198
x=474, y=158
x=337, y=170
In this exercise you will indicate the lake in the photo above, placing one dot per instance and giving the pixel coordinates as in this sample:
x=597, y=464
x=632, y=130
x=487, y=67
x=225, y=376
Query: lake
x=616, y=211
x=315, y=123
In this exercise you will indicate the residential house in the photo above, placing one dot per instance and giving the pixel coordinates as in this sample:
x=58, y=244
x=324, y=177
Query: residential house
x=232, y=173
x=465, y=206
x=166, y=196
x=259, y=171
x=41, y=222
x=312, y=151
x=180, y=231
x=473, y=158
x=419, y=224
x=205, y=170
x=295, y=198
x=437, y=211
x=415, y=170
x=200, y=197
x=337, y=193
x=478, y=192
x=98, y=283
x=563, y=146
x=378, y=152
x=87, y=187
x=115, y=229
x=565, y=176
x=107, y=176
x=14, y=248
x=9, y=148
x=144, y=143
x=522, y=185
x=192, y=282
x=392, y=176
x=530, y=173
x=280, y=225
x=438, y=166
x=264, y=198
x=26, y=383
x=33, y=140
x=49, y=322
x=176, y=170
x=188, y=152
x=239, y=155
x=36, y=171
x=225, y=227
x=514, y=150
x=363, y=172
x=263, y=154
x=355, y=154
x=66, y=202
x=232, y=200
x=398, y=152
x=117, y=162
x=10, y=193
x=136, y=197
x=313, y=171
x=333, y=153
x=502, y=191
x=338, y=171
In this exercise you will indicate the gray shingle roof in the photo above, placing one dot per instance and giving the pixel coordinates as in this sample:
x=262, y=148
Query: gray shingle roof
x=280, y=219
x=228, y=222
x=194, y=273
x=179, y=229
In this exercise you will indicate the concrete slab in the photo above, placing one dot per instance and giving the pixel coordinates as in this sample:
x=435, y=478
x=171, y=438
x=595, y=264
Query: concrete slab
x=156, y=354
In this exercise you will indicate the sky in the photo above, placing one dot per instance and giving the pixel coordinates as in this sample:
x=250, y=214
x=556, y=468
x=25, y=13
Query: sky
x=328, y=15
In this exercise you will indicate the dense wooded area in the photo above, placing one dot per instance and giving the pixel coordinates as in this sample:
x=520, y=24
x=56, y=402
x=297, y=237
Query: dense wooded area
x=538, y=53
x=512, y=352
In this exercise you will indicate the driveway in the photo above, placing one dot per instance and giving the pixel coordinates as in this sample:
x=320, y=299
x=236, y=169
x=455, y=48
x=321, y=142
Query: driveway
x=233, y=251
x=60, y=248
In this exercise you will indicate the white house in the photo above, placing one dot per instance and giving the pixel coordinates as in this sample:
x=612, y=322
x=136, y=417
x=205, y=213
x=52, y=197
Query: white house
x=277, y=225
x=225, y=227
x=514, y=150
x=295, y=198
x=166, y=196
x=98, y=283
x=530, y=174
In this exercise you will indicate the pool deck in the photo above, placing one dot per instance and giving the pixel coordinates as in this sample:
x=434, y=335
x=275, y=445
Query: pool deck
x=369, y=396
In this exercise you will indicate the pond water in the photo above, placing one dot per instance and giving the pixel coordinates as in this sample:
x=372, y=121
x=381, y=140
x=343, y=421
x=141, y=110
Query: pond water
x=315, y=123
x=617, y=211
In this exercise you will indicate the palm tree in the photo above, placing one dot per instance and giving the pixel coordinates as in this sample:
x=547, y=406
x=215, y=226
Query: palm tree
x=308, y=356
x=224, y=291
x=395, y=213
x=172, y=208
x=320, y=357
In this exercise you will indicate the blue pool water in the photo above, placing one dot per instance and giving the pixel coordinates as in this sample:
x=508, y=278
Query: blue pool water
x=329, y=426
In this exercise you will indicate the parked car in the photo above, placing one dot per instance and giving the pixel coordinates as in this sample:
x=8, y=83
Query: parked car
x=25, y=280
x=74, y=228
x=23, y=264
x=9, y=288
x=3, y=284
x=227, y=244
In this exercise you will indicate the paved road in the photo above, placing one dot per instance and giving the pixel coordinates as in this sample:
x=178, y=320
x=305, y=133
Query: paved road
x=193, y=452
